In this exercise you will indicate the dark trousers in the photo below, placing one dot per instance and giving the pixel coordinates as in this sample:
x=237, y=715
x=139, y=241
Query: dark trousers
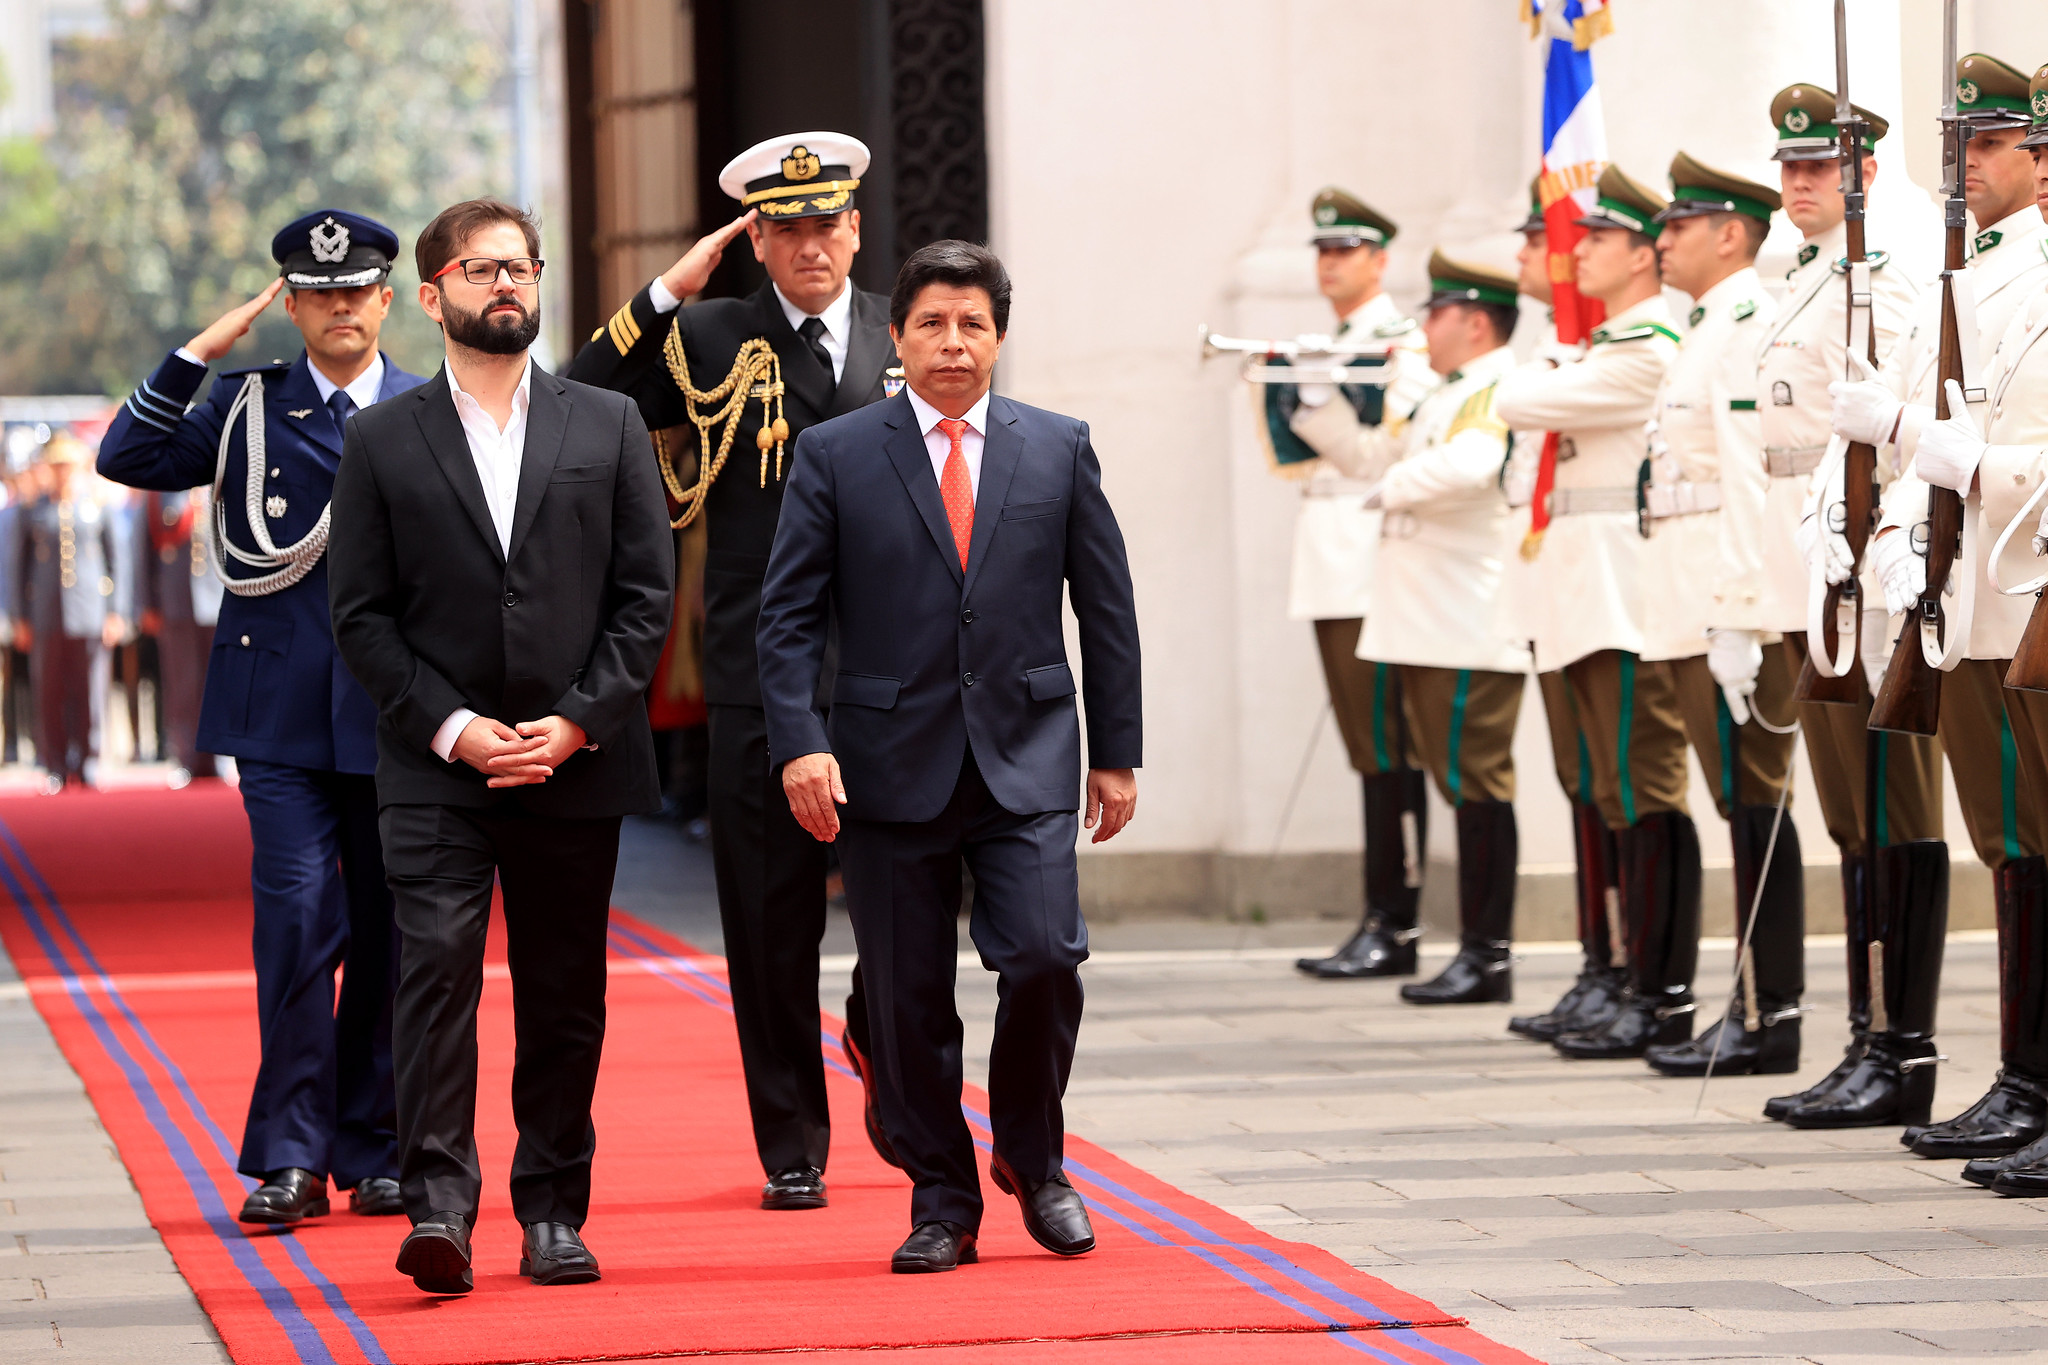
x=66, y=737
x=323, y=1099
x=182, y=649
x=903, y=889
x=771, y=905
x=557, y=881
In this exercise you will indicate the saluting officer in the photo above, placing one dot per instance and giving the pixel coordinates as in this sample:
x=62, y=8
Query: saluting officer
x=832, y=343
x=2006, y=817
x=1335, y=540
x=178, y=598
x=279, y=700
x=1586, y=613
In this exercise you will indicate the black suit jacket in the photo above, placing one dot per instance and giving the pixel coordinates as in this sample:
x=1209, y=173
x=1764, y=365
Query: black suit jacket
x=431, y=615
x=932, y=660
x=739, y=513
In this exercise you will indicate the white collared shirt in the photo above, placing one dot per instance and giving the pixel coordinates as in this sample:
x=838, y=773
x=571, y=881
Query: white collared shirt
x=940, y=446
x=362, y=390
x=837, y=317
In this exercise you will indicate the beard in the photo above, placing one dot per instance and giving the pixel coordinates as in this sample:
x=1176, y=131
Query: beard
x=493, y=333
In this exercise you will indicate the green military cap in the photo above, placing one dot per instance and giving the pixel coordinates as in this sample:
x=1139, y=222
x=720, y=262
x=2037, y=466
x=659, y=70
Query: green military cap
x=1804, y=116
x=1463, y=282
x=1534, y=222
x=1697, y=188
x=1625, y=203
x=2037, y=100
x=1991, y=94
x=1342, y=219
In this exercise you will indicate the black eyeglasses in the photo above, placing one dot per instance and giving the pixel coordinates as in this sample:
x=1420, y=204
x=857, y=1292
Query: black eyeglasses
x=485, y=269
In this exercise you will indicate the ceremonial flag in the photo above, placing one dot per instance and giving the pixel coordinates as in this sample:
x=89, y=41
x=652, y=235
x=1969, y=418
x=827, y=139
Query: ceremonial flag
x=1574, y=153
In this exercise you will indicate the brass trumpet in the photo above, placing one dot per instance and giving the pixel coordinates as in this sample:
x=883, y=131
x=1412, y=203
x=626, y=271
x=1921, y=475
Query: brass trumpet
x=1328, y=361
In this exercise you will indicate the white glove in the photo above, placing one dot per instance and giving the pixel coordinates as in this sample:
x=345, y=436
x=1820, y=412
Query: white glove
x=1558, y=352
x=1315, y=395
x=1901, y=569
x=1820, y=542
x=1865, y=409
x=1735, y=657
x=1950, y=451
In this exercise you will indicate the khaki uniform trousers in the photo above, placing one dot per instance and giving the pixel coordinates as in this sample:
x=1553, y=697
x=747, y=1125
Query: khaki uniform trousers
x=1568, y=751
x=1838, y=742
x=1366, y=698
x=1745, y=765
x=1461, y=724
x=1635, y=736
x=1998, y=786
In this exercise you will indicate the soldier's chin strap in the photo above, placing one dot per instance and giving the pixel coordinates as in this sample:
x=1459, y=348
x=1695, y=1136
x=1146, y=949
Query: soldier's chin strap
x=277, y=567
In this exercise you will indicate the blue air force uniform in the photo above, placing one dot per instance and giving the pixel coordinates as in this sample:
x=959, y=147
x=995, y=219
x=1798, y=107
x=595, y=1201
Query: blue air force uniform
x=301, y=729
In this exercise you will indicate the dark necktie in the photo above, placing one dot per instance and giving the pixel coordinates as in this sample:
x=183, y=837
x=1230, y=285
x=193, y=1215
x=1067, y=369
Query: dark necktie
x=813, y=333
x=343, y=407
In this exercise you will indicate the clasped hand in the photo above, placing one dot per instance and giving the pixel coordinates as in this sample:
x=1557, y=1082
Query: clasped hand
x=522, y=755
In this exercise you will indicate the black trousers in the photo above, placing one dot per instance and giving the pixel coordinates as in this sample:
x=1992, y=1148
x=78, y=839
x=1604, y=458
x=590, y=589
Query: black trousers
x=771, y=905
x=557, y=880
x=903, y=889
x=182, y=649
x=67, y=733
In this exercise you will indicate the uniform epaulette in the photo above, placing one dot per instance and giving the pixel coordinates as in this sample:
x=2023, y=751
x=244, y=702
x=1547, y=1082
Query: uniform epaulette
x=1399, y=327
x=1641, y=333
x=1876, y=260
x=1477, y=414
x=1744, y=311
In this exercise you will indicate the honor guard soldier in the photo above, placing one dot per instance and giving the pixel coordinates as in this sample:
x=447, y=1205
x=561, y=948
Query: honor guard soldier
x=1335, y=538
x=805, y=347
x=2004, y=815
x=1436, y=481
x=2008, y=464
x=74, y=584
x=1586, y=612
x=178, y=599
x=278, y=699
x=1737, y=701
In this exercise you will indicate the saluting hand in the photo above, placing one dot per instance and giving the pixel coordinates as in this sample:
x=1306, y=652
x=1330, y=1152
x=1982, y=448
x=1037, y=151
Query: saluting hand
x=688, y=276
x=217, y=340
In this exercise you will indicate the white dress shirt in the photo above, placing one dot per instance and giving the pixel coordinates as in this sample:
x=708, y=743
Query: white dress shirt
x=837, y=317
x=939, y=445
x=498, y=455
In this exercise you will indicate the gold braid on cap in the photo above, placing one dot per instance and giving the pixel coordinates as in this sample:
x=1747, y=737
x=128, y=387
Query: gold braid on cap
x=756, y=373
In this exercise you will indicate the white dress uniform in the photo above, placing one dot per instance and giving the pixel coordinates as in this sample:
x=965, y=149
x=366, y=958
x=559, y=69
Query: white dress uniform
x=1586, y=592
x=2017, y=461
x=1707, y=405
x=1335, y=537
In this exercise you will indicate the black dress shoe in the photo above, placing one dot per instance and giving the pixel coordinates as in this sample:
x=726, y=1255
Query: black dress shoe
x=1892, y=1082
x=1053, y=1212
x=1778, y=1106
x=871, y=1111
x=553, y=1253
x=1591, y=1002
x=285, y=1197
x=1476, y=976
x=933, y=1247
x=2011, y=1115
x=1732, y=1050
x=1641, y=1023
x=1370, y=952
x=376, y=1197
x=436, y=1254
x=799, y=1187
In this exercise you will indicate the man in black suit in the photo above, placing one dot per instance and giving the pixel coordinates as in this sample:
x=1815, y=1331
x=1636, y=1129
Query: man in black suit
x=942, y=528
x=501, y=575
x=832, y=341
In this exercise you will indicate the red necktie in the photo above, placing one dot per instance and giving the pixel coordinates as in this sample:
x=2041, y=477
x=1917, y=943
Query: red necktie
x=956, y=489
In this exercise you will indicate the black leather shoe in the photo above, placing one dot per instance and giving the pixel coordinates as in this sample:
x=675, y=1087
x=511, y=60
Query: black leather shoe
x=933, y=1247
x=1369, y=952
x=1591, y=1002
x=2011, y=1115
x=553, y=1253
x=285, y=1197
x=1642, y=1022
x=1476, y=976
x=871, y=1111
x=436, y=1254
x=1732, y=1050
x=1986, y=1169
x=1053, y=1212
x=799, y=1187
x=1892, y=1082
x=1778, y=1106
x=376, y=1197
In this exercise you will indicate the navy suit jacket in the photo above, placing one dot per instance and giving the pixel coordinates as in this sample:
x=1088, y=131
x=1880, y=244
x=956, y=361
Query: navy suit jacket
x=276, y=688
x=931, y=660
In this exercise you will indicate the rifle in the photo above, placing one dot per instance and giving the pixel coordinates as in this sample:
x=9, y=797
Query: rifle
x=1835, y=614
x=1910, y=699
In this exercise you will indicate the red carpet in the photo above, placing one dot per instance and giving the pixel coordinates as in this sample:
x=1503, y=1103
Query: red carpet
x=128, y=915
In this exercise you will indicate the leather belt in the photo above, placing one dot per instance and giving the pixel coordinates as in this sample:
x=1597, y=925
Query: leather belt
x=1680, y=499
x=1566, y=502
x=1787, y=462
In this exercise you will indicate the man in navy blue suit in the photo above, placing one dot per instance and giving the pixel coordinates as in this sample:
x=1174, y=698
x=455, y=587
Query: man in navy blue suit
x=943, y=527
x=279, y=700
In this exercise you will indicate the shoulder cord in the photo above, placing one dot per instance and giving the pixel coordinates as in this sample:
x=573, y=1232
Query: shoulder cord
x=281, y=567
x=756, y=365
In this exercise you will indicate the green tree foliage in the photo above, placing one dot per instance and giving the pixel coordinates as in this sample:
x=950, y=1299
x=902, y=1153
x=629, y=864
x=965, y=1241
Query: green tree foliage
x=194, y=129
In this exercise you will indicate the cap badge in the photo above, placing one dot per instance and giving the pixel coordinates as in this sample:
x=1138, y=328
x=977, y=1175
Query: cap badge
x=329, y=241
x=1798, y=121
x=1967, y=92
x=800, y=164
x=2041, y=104
x=1326, y=214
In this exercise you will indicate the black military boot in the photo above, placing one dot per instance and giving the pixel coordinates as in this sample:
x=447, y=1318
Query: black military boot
x=2015, y=1110
x=1483, y=970
x=1660, y=898
x=1856, y=921
x=1893, y=1081
x=1762, y=1037
x=1595, y=996
x=1396, y=835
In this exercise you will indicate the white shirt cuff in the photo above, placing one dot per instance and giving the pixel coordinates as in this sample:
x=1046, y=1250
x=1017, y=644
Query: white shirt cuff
x=663, y=301
x=450, y=731
x=188, y=357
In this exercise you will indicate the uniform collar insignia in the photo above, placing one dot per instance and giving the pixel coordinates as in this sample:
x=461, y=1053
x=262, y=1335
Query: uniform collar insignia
x=1987, y=239
x=1696, y=316
x=1807, y=253
x=300, y=412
